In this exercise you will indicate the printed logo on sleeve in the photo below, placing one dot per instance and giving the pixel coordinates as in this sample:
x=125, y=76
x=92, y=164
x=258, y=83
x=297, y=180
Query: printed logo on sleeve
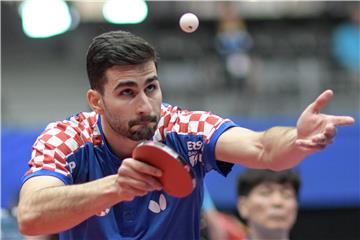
x=72, y=166
x=194, y=151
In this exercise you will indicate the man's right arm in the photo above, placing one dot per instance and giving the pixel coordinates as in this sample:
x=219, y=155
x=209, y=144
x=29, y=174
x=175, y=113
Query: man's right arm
x=46, y=201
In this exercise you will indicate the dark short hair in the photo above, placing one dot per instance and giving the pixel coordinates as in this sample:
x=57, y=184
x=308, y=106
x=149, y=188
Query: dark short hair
x=251, y=178
x=115, y=48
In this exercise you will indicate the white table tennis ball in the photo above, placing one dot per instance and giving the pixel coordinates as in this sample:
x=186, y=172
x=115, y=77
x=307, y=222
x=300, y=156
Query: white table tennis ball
x=189, y=22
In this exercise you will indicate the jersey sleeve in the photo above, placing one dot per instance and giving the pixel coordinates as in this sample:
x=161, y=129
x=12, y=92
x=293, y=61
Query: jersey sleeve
x=52, y=148
x=194, y=124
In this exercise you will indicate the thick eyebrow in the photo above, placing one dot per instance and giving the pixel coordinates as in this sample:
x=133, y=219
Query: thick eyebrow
x=151, y=79
x=131, y=83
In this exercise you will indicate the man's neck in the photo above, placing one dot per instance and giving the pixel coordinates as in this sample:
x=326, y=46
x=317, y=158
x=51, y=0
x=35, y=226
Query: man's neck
x=257, y=234
x=121, y=146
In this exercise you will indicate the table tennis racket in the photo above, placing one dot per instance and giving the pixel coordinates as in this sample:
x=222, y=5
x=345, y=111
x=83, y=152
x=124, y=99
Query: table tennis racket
x=177, y=179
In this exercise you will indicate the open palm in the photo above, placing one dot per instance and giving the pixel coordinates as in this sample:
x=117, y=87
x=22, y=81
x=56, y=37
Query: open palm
x=316, y=130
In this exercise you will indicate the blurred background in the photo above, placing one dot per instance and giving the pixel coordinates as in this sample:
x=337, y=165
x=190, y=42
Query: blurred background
x=259, y=63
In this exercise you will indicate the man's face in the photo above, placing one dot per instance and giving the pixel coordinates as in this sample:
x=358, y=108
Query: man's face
x=132, y=99
x=270, y=207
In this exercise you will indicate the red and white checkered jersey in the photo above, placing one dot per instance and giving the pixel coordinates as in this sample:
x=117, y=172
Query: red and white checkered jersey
x=63, y=138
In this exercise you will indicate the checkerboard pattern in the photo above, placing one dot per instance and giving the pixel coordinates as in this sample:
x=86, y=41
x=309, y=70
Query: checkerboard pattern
x=60, y=139
x=185, y=122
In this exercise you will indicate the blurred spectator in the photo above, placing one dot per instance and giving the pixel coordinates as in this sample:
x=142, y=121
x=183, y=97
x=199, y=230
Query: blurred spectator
x=346, y=43
x=232, y=43
x=268, y=203
x=217, y=225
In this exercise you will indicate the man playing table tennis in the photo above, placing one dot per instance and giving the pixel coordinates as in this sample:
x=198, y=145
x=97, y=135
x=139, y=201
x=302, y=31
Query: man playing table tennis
x=83, y=183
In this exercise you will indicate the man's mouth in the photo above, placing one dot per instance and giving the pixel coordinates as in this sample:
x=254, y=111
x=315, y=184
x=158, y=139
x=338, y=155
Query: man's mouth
x=143, y=121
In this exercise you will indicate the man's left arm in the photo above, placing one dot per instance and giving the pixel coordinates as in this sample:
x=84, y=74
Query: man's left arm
x=280, y=148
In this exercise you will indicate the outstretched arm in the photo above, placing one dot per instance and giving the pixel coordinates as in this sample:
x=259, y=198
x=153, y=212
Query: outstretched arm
x=280, y=148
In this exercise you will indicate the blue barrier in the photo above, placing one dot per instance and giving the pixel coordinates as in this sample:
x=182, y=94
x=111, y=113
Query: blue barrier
x=15, y=153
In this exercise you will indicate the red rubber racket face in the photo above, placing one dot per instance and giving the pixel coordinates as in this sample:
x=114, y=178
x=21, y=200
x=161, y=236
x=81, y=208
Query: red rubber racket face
x=178, y=179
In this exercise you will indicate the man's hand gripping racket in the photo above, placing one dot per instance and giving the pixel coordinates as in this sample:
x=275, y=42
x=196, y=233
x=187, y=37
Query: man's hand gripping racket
x=177, y=177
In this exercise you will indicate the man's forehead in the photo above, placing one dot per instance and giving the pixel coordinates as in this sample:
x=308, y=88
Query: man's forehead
x=130, y=72
x=274, y=184
x=147, y=66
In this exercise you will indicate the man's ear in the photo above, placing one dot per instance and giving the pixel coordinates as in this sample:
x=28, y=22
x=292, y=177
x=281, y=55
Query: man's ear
x=242, y=207
x=95, y=101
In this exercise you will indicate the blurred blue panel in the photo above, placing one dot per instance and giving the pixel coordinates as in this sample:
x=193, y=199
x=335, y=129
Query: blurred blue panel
x=15, y=153
x=332, y=177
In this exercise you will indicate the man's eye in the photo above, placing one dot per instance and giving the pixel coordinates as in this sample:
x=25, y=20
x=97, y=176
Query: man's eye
x=127, y=92
x=265, y=193
x=151, y=88
x=288, y=194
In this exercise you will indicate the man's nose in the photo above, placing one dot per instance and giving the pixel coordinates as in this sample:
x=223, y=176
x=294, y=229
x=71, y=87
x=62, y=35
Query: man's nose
x=277, y=199
x=143, y=104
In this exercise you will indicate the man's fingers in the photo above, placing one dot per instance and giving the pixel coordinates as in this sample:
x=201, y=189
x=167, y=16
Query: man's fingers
x=341, y=120
x=319, y=138
x=321, y=101
x=310, y=145
x=141, y=172
x=149, y=182
x=330, y=131
x=142, y=167
x=132, y=192
x=139, y=185
x=322, y=139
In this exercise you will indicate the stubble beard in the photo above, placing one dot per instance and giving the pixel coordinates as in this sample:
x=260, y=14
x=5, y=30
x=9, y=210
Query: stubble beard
x=144, y=132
